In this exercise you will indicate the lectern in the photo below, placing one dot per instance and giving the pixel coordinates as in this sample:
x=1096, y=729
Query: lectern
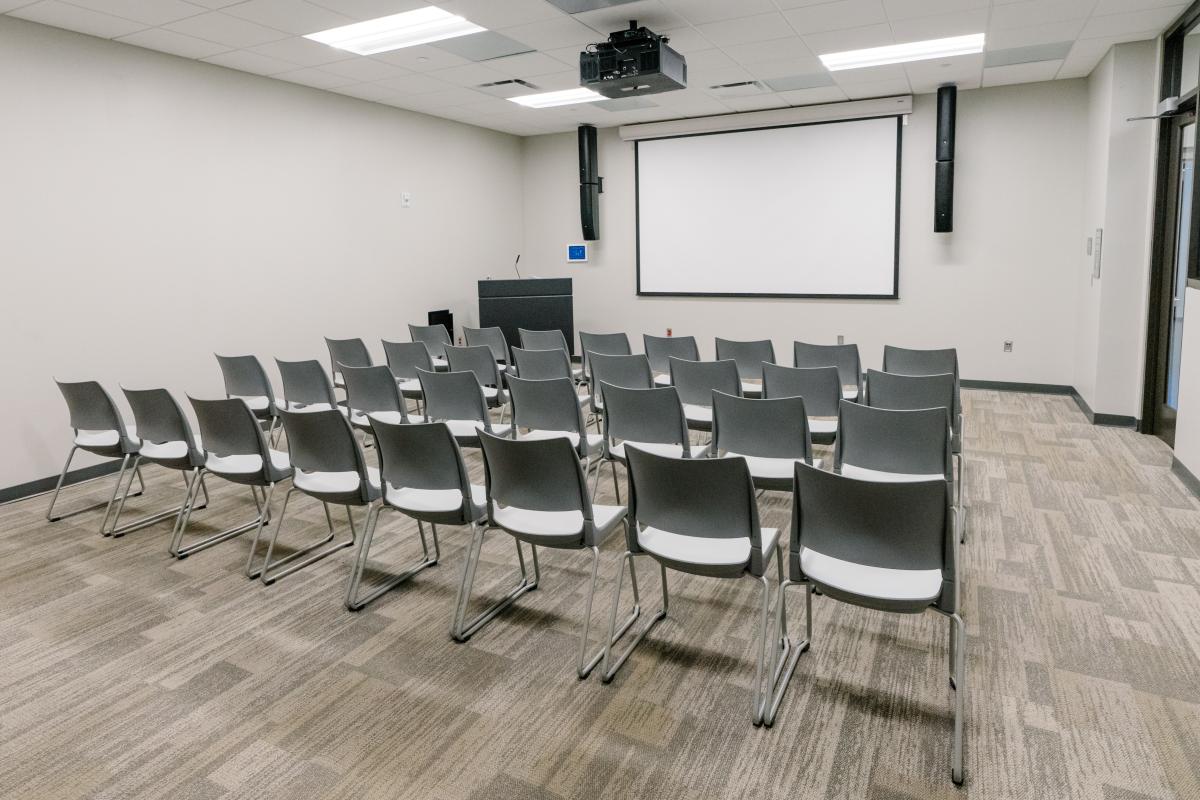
x=539, y=304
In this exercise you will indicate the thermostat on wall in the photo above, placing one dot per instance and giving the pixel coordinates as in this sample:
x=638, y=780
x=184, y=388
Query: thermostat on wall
x=576, y=253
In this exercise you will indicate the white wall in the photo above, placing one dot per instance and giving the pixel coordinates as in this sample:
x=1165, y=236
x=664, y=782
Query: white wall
x=154, y=210
x=1187, y=427
x=1005, y=273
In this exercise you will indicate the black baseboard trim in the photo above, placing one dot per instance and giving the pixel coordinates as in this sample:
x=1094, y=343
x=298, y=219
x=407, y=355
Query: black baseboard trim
x=1185, y=476
x=1009, y=386
x=1110, y=420
x=43, y=485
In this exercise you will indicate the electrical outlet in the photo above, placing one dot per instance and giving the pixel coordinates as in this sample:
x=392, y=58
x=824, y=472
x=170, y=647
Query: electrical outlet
x=841, y=339
x=1008, y=345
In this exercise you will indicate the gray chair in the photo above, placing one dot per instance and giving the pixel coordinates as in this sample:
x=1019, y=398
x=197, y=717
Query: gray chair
x=609, y=344
x=327, y=465
x=628, y=372
x=236, y=451
x=548, y=340
x=821, y=389
x=372, y=393
x=245, y=378
x=699, y=516
x=536, y=493
x=306, y=387
x=479, y=360
x=97, y=428
x=456, y=398
x=404, y=359
x=696, y=382
x=843, y=356
x=549, y=409
x=659, y=350
x=903, y=361
x=346, y=353
x=435, y=338
x=880, y=444
x=749, y=357
x=166, y=440
x=493, y=339
x=545, y=365
x=771, y=435
x=650, y=419
x=423, y=478
x=879, y=545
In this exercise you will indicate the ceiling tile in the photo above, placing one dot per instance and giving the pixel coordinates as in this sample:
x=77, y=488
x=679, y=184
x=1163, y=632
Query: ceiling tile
x=489, y=106
x=249, y=61
x=150, y=12
x=685, y=40
x=962, y=71
x=364, y=69
x=940, y=26
x=1119, y=6
x=1055, y=51
x=786, y=66
x=221, y=28
x=293, y=16
x=907, y=9
x=497, y=14
x=452, y=96
x=215, y=4
x=756, y=102
x=366, y=91
x=699, y=12
x=789, y=83
x=836, y=15
x=759, y=28
x=482, y=46
x=808, y=97
x=1038, y=12
x=582, y=6
x=174, y=43
x=887, y=72
x=850, y=39
x=1021, y=73
x=561, y=32
x=312, y=76
x=884, y=88
x=526, y=64
x=554, y=81
x=414, y=84
x=788, y=48
x=468, y=75
x=368, y=9
x=652, y=14
x=422, y=58
x=303, y=52
x=1034, y=35
x=9, y=5
x=1155, y=19
x=625, y=104
x=74, y=18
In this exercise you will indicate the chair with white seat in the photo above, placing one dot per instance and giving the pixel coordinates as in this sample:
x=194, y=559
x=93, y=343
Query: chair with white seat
x=549, y=340
x=651, y=419
x=881, y=444
x=167, y=441
x=372, y=393
x=546, y=365
x=880, y=545
x=327, y=465
x=696, y=381
x=627, y=372
x=548, y=409
x=821, y=389
x=699, y=517
x=492, y=338
x=479, y=360
x=346, y=353
x=435, y=338
x=456, y=398
x=609, y=344
x=424, y=479
x=772, y=435
x=537, y=493
x=97, y=428
x=306, y=387
x=404, y=359
x=245, y=378
x=749, y=357
x=659, y=350
x=843, y=356
x=235, y=450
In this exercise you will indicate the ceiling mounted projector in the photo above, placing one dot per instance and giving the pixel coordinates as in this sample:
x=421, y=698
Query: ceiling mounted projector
x=632, y=63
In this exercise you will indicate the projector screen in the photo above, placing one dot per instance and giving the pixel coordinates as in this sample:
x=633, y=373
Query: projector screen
x=800, y=211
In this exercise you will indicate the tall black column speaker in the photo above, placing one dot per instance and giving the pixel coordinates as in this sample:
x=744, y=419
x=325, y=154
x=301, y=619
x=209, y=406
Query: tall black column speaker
x=943, y=183
x=590, y=183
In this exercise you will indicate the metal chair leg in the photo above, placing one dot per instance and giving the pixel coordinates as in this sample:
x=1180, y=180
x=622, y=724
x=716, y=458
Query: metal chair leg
x=609, y=672
x=353, y=601
x=62, y=477
x=958, y=647
x=265, y=572
x=961, y=492
x=586, y=665
x=117, y=530
x=783, y=674
x=462, y=630
x=263, y=518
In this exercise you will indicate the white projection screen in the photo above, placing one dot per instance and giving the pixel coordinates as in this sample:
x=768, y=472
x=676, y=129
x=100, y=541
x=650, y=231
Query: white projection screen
x=800, y=211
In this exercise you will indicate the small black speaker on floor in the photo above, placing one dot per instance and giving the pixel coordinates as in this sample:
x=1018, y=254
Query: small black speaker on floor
x=943, y=183
x=590, y=183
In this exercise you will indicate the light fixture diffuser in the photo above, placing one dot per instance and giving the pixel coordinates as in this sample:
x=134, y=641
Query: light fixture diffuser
x=901, y=53
x=424, y=25
x=565, y=97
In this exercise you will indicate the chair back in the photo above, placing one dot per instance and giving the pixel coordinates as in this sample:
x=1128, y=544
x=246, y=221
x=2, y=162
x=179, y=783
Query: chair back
x=159, y=420
x=370, y=390
x=435, y=337
x=91, y=408
x=915, y=442
x=776, y=428
x=659, y=349
x=910, y=392
x=697, y=380
x=609, y=344
x=245, y=377
x=422, y=456
x=478, y=360
x=405, y=358
x=711, y=498
x=535, y=474
x=305, y=383
x=228, y=427
x=905, y=526
x=542, y=365
x=843, y=356
x=749, y=356
x=644, y=415
x=543, y=340
x=549, y=405
x=323, y=441
x=904, y=361
x=626, y=371
x=821, y=387
x=493, y=339
x=346, y=353
x=453, y=395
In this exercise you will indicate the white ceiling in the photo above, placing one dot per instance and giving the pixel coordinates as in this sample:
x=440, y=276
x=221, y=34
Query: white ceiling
x=772, y=42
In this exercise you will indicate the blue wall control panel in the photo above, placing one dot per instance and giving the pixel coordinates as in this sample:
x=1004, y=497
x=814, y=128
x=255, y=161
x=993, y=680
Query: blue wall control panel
x=577, y=253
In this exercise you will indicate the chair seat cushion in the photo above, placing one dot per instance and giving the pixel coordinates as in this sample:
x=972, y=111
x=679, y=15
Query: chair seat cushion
x=302, y=408
x=258, y=402
x=703, y=551
x=752, y=388
x=772, y=468
x=849, y=392
x=662, y=379
x=881, y=476
x=697, y=413
x=390, y=417
x=878, y=583
x=659, y=449
x=166, y=451
x=412, y=385
x=594, y=440
x=85, y=438
x=429, y=501
x=472, y=427
x=556, y=528
x=822, y=425
x=332, y=482
x=244, y=464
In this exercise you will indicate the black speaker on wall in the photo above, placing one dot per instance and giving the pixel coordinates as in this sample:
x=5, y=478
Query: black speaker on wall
x=943, y=178
x=590, y=183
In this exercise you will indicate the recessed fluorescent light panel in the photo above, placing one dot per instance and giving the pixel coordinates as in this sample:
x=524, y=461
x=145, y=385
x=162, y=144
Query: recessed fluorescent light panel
x=565, y=97
x=424, y=25
x=901, y=53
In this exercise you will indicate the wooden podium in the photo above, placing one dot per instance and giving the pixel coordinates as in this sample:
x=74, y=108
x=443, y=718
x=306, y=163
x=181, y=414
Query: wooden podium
x=538, y=304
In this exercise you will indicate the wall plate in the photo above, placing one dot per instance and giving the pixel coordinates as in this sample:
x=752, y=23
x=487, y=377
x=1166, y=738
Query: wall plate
x=577, y=253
